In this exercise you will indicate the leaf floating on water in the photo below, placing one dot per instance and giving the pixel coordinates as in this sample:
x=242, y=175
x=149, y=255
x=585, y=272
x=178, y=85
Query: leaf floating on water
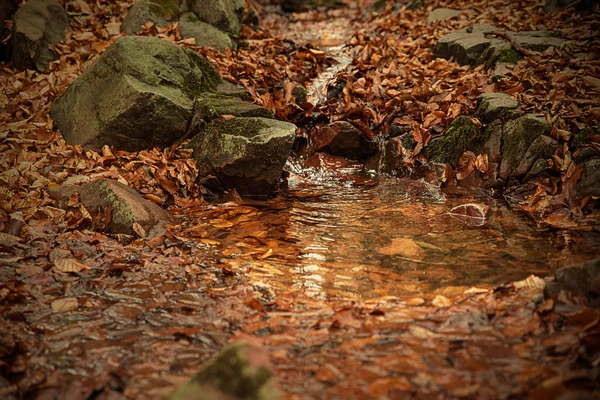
x=471, y=213
x=69, y=265
x=65, y=304
x=402, y=246
x=531, y=281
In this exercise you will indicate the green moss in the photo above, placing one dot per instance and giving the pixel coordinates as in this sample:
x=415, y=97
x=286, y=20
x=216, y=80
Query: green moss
x=408, y=141
x=210, y=76
x=167, y=9
x=101, y=122
x=462, y=135
x=583, y=135
x=508, y=56
x=301, y=94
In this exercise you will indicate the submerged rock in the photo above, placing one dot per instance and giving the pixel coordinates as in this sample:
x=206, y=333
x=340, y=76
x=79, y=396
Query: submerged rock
x=470, y=45
x=138, y=94
x=246, y=154
x=242, y=371
x=128, y=207
x=492, y=106
x=518, y=136
x=36, y=25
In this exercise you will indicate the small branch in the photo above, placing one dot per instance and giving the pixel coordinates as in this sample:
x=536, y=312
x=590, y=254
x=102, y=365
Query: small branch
x=513, y=42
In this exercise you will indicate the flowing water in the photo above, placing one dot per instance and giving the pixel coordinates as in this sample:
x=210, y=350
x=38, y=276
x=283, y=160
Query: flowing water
x=354, y=235
x=346, y=233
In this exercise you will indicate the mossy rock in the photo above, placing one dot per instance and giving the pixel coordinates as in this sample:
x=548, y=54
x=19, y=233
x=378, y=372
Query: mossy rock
x=462, y=135
x=127, y=206
x=518, y=136
x=241, y=371
x=493, y=106
x=161, y=12
x=204, y=33
x=138, y=94
x=583, y=135
x=246, y=154
x=222, y=14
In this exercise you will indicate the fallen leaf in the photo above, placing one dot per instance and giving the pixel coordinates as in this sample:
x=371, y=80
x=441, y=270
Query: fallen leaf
x=69, y=265
x=65, y=304
x=403, y=247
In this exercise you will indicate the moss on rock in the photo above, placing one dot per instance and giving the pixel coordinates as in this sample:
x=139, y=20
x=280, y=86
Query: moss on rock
x=462, y=135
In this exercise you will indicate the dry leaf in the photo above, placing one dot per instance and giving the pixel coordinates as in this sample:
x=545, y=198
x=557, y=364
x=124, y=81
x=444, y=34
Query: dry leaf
x=403, y=247
x=531, y=281
x=65, y=304
x=69, y=265
x=441, y=301
x=139, y=229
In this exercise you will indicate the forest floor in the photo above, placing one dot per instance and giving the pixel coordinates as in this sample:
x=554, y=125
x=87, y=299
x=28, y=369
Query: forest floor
x=133, y=318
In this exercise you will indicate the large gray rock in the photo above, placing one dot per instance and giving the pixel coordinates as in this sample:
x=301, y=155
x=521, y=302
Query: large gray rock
x=204, y=33
x=161, y=12
x=493, y=106
x=127, y=206
x=36, y=25
x=241, y=371
x=440, y=14
x=247, y=154
x=138, y=94
x=518, y=136
x=470, y=45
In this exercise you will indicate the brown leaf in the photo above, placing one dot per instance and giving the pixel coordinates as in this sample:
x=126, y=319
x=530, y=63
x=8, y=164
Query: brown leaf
x=65, y=304
x=69, y=265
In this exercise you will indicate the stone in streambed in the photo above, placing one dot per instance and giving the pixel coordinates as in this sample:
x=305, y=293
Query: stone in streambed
x=542, y=148
x=222, y=14
x=341, y=139
x=582, y=279
x=36, y=25
x=138, y=94
x=242, y=371
x=492, y=106
x=518, y=136
x=589, y=183
x=246, y=154
x=128, y=207
x=462, y=135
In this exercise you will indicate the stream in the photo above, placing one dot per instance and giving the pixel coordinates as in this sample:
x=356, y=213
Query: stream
x=351, y=234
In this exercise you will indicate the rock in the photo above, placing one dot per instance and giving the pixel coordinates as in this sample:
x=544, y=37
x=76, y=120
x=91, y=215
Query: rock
x=138, y=94
x=342, y=139
x=582, y=279
x=388, y=159
x=161, y=12
x=128, y=207
x=222, y=14
x=539, y=166
x=440, y=14
x=230, y=89
x=204, y=34
x=36, y=25
x=542, y=148
x=501, y=70
x=7, y=9
x=210, y=106
x=329, y=162
x=518, y=135
x=492, y=106
x=471, y=46
x=589, y=182
x=462, y=135
x=242, y=371
x=246, y=154
x=493, y=145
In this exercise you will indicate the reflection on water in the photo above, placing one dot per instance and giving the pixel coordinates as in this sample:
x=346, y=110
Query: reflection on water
x=367, y=237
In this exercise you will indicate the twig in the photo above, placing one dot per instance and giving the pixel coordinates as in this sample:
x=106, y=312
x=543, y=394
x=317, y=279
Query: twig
x=513, y=42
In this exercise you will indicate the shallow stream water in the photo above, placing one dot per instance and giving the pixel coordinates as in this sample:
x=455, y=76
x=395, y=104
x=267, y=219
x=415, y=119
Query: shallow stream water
x=353, y=235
